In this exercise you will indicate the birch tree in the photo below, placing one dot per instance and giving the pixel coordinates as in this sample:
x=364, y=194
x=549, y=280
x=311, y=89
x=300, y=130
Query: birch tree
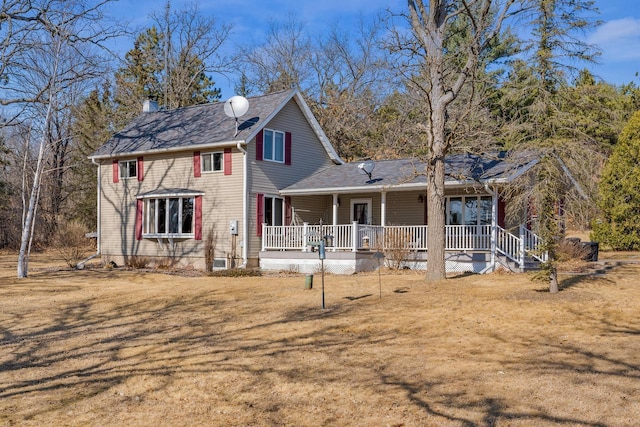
x=439, y=75
x=50, y=58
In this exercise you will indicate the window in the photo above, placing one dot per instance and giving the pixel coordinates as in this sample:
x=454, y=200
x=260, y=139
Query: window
x=361, y=211
x=170, y=216
x=273, y=210
x=128, y=168
x=273, y=146
x=212, y=162
x=469, y=210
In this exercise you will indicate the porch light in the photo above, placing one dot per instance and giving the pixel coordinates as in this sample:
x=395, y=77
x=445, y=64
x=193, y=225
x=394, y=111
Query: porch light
x=420, y=198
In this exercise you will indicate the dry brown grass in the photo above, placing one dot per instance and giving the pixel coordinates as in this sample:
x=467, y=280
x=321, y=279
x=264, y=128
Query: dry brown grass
x=118, y=347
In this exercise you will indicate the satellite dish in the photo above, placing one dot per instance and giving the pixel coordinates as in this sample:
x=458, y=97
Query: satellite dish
x=236, y=106
x=367, y=167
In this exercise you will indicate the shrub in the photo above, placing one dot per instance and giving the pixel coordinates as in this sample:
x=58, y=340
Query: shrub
x=71, y=242
x=137, y=262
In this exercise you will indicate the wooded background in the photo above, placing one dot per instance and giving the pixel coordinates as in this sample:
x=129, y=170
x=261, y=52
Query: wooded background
x=375, y=90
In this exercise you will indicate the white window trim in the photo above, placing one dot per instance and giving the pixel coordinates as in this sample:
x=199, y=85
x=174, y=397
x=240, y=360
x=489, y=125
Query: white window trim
x=147, y=211
x=211, y=153
x=284, y=146
x=123, y=165
x=264, y=207
x=464, y=207
x=369, y=208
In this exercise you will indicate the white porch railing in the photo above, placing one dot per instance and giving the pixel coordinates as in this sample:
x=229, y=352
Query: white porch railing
x=531, y=244
x=414, y=237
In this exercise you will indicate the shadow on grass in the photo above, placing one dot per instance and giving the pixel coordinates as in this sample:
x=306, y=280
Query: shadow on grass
x=85, y=347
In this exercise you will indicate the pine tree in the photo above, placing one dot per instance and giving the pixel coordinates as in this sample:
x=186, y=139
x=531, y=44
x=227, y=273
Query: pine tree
x=619, y=202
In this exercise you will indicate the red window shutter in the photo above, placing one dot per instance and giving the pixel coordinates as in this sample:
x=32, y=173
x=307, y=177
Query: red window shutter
x=140, y=168
x=501, y=211
x=198, y=218
x=139, y=204
x=259, y=145
x=116, y=172
x=288, y=212
x=227, y=161
x=287, y=148
x=197, y=170
x=259, y=213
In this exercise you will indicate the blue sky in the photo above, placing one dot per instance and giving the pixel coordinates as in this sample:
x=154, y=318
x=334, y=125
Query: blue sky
x=618, y=37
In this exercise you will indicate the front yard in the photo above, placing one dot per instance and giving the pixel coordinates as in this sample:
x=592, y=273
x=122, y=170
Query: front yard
x=117, y=347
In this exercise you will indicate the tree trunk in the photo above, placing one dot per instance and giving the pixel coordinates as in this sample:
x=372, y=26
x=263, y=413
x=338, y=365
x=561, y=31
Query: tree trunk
x=28, y=224
x=435, y=195
x=553, y=281
x=436, y=228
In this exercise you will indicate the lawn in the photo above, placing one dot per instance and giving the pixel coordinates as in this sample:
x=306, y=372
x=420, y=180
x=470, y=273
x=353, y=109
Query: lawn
x=118, y=347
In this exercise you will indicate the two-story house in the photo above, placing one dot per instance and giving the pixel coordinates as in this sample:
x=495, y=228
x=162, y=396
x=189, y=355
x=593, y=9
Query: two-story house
x=264, y=189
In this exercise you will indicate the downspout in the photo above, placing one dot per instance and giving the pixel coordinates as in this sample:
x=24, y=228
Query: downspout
x=81, y=264
x=245, y=216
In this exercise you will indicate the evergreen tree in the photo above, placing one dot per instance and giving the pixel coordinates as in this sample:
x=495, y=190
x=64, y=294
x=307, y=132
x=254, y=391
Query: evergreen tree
x=533, y=103
x=619, y=202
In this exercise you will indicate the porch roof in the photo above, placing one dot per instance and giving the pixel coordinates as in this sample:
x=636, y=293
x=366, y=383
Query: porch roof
x=461, y=170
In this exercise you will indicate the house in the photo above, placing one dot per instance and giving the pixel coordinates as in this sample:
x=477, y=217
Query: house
x=264, y=189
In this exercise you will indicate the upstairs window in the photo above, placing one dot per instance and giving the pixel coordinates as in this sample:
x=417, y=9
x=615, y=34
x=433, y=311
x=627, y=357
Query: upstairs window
x=212, y=162
x=273, y=146
x=128, y=169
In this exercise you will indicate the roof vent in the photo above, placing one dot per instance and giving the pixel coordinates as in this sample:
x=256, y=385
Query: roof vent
x=149, y=106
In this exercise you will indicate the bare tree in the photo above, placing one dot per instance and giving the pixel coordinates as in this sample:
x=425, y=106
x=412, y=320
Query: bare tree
x=50, y=58
x=438, y=71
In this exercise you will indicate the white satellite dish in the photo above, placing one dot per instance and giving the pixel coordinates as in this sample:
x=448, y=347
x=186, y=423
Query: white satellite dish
x=367, y=167
x=236, y=106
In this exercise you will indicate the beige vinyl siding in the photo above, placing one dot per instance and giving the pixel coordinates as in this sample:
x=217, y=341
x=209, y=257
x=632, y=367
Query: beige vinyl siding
x=404, y=208
x=222, y=202
x=308, y=155
x=311, y=209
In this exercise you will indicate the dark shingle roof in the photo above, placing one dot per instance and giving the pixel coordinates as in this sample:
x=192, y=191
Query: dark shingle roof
x=191, y=126
x=409, y=173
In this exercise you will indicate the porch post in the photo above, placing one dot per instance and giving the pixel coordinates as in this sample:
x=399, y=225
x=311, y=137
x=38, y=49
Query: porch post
x=335, y=221
x=354, y=234
x=383, y=208
x=522, y=246
x=494, y=227
x=305, y=229
x=264, y=236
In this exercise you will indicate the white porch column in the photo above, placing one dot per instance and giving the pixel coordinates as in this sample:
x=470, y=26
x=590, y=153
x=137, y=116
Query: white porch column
x=305, y=239
x=335, y=209
x=494, y=227
x=383, y=208
x=354, y=234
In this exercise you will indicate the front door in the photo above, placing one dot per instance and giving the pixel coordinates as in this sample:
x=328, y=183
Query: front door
x=361, y=211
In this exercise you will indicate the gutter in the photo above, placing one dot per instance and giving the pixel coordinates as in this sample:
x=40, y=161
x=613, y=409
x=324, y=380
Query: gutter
x=223, y=144
x=393, y=187
x=82, y=263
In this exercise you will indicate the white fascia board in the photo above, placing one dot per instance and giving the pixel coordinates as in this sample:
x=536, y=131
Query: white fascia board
x=222, y=144
x=380, y=188
x=275, y=111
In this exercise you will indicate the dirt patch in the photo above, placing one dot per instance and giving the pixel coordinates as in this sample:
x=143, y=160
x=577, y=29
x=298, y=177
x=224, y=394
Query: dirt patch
x=119, y=347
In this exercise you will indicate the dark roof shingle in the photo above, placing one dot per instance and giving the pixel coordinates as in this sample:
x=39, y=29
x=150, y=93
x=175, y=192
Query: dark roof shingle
x=191, y=126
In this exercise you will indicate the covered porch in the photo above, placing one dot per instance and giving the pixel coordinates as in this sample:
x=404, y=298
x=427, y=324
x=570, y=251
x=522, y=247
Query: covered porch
x=351, y=248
